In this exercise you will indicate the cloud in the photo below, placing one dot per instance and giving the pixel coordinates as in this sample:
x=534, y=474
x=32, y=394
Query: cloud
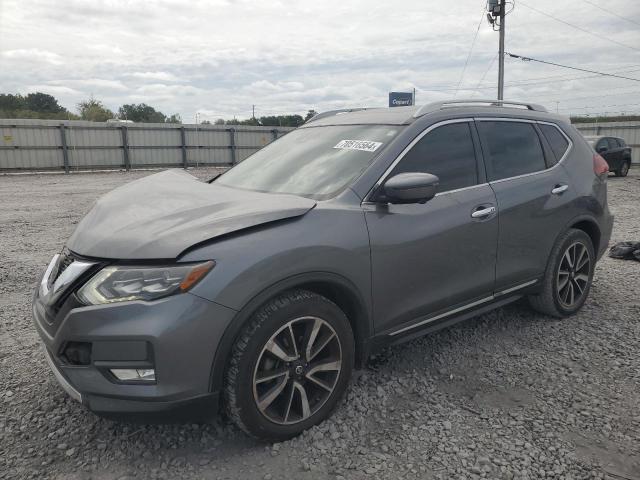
x=163, y=76
x=32, y=55
x=221, y=57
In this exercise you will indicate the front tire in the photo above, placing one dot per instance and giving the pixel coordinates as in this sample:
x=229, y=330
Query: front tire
x=289, y=367
x=567, y=279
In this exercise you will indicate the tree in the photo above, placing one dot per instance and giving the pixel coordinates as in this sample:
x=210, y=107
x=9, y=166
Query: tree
x=94, y=111
x=175, y=118
x=219, y=121
x=34, y=105
x=310, y=115
x=42, y=102
x=140, y=113
x=10, y=103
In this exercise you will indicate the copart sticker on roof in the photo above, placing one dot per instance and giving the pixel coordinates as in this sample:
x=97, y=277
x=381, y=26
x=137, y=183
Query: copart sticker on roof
x=363, y=145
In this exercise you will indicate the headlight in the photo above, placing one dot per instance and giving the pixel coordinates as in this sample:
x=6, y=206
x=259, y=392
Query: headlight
x=125, y=283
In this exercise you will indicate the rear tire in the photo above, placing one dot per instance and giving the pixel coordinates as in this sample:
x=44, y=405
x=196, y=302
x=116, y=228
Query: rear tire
x=567, y=279
x=289, y=367
x=623, y=170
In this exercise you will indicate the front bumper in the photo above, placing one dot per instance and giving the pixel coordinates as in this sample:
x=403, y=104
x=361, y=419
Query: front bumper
x=177, y=336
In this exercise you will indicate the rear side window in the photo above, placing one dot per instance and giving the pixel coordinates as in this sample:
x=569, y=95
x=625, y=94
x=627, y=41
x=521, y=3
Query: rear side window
x=512, y=148
x=558, y=142
x=446, y=152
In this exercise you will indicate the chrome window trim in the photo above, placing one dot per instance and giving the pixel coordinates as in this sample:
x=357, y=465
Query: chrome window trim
x=406, y=149
x=525, y=120
x=566, y=137
x=463, y=307
x=386, y=173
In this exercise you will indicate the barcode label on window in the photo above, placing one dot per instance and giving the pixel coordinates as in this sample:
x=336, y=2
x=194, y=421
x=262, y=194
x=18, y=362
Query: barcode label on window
x=363, y=145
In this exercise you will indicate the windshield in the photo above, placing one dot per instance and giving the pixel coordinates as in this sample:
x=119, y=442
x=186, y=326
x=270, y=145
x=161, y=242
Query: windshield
x=314, y=162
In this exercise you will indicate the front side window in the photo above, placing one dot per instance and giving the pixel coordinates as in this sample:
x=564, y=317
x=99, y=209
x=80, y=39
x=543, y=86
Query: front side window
x=314, y=162
x=558, y=142
x=446, y=152
x=511, y=148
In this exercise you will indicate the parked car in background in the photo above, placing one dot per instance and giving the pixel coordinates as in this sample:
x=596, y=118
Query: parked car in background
x=615, y=151
x=263, y=288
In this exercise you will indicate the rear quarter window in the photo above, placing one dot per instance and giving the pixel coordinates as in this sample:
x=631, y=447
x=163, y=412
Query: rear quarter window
x=557, y=141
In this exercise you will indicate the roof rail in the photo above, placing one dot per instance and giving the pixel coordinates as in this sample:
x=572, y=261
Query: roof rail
x=435, y=106
x=330, y=113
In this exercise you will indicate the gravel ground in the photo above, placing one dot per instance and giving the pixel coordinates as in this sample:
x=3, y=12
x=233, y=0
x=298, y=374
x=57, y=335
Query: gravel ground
x=511, y=394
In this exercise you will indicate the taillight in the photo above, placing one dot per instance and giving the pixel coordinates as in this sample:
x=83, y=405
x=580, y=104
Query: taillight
x=600, y=166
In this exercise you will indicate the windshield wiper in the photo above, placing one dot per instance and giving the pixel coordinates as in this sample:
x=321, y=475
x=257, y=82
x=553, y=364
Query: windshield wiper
x=212, y=179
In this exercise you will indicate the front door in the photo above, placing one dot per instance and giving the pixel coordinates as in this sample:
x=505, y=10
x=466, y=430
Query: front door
x=430, y=258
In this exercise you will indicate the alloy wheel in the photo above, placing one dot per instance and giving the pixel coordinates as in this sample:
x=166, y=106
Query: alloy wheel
x=297, y=370
x=573, y=275
x=624, y=169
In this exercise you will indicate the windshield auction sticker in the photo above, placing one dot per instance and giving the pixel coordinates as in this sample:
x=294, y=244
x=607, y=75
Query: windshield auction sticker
x=363, y=145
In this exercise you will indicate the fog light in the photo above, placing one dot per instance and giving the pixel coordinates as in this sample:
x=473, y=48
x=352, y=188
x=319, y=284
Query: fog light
x=134, y=374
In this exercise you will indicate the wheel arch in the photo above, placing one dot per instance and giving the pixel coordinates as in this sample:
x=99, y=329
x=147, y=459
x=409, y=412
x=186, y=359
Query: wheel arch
x=335, y=287
x=589, y=226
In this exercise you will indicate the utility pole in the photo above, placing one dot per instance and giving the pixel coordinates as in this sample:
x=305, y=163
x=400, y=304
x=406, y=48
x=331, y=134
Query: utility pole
x=496, y=16
x=501, y=54
x=253, y=112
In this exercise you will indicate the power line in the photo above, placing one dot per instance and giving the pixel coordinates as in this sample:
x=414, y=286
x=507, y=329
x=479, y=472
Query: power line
x=565, y=78
x=611, y=13
x=493, y=60
x=601, y=106
x=563, y=100
x=529, y=59
x=473, y=43
x=600, y=37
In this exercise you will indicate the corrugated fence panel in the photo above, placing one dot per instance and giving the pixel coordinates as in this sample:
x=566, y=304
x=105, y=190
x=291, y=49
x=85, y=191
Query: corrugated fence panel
x=31, y=159
x=154, y=137
x=147, y=157
x=201, y=156
x=245, y=152
x=87, y=137
x=31, y=144
x=81, y=159
x=209, y=138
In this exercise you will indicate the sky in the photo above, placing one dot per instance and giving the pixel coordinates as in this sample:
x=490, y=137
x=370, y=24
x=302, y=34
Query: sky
x=217, y=58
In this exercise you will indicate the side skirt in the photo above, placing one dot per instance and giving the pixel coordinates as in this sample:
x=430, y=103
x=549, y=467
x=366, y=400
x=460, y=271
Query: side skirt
x=385, y=339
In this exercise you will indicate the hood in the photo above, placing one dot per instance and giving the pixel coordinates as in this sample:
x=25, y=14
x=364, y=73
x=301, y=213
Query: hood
x=161, y=215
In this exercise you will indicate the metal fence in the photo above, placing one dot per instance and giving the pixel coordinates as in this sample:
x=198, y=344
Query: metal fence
x=77, y=145
x=629, y=131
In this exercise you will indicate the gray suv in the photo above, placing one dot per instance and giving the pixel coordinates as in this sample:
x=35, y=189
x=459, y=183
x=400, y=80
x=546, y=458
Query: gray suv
x=262, y=289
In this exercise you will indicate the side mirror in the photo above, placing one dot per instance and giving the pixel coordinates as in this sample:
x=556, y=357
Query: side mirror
x=602, y=149
x=410, y=187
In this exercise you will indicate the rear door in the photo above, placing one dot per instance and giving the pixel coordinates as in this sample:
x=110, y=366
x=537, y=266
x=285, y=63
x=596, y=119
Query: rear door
x=615, y=153
x=430, y=258
x=532, y=191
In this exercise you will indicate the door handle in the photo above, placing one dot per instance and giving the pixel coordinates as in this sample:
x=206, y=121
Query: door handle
x=483, y=212
x=558, y=189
